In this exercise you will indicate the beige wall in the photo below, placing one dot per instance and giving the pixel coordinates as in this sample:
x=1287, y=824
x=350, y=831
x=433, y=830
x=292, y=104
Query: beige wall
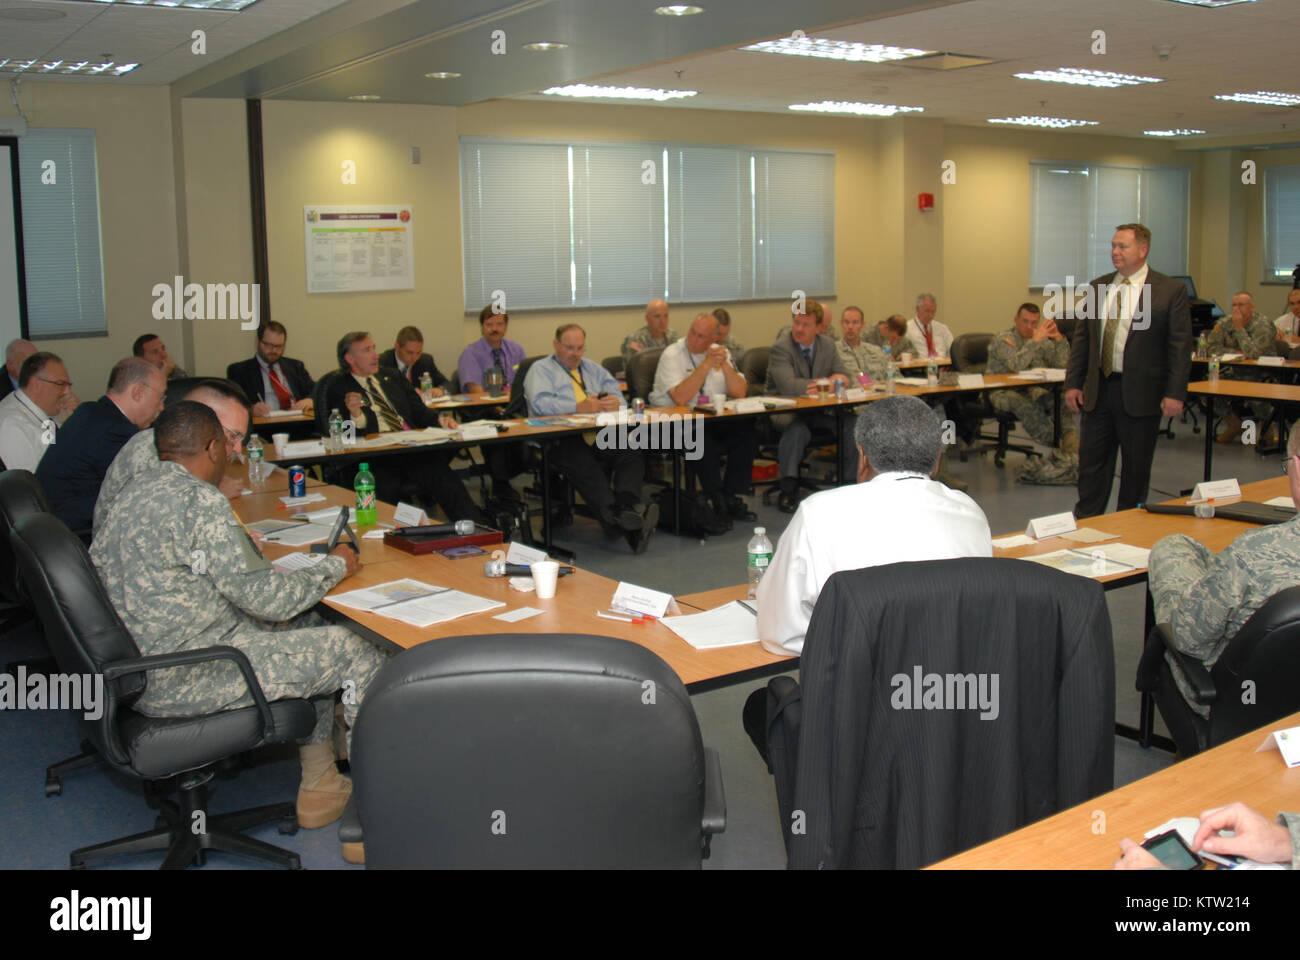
x=1270, y=298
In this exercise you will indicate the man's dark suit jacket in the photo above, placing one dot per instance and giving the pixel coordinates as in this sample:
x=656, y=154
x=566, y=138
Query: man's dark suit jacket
x=6, y=386
x=787, y=373
x=406, y=402
x=422, y=366
x=73, y=469
x=885, y=785
x=1157, y=359
x=248, y=374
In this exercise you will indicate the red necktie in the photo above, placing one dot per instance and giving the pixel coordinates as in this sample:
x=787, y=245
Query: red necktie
x=929, y=340
x=410, y=374
x=281, y=391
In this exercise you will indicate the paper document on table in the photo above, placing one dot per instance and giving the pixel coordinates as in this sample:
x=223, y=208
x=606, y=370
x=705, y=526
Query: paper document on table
x=1095, y=562
x=1271, y=361
x=327, y=515
x=773, y=402
x=411, y=601
x=1230, y=356
x=269, y=526
x=1088, y=535
x=724, y=626
x=283, y=413
x=297, y=561
x=299, y=535
x=395, y=591
x=912, y=381
x=1015, y=540
x=299, y=501
x=1126, y=554
x=302, y=448
x=1280, y=502
x=427, y=435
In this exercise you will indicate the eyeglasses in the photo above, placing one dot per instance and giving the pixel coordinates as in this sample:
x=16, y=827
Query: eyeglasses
x=62, y=384
x=1286, y=464
x=234, y=436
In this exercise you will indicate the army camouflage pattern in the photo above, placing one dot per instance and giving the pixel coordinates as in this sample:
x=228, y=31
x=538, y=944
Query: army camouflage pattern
x=138, y=455
x=646, y=341
x=1009, y=352
x=1292, y=822
x=737, y=351
x=1206, y=598
x=864, y=358
x=1256, y=339
x=183, y=575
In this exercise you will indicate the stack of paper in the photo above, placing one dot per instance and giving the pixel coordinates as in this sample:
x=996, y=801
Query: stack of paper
x=416, y=603
x=730, y=624
x=1096, y=561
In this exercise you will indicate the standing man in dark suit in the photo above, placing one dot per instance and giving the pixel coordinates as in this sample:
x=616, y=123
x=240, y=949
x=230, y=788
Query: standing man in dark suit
x=799, y=358
x=1128, y=368
x=380, y=400
x=270, y=380
x=409, y=359
x=73, y=469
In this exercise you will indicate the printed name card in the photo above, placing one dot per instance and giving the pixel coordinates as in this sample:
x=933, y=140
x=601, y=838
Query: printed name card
x=407, y=515
x=1286, y=741
x=1050, y=526
x=855, y=393
x=609, y=417
x=750, y=405
x=1271, y=361
x=482, y=432
x=303, y=448
x=970, y=381
x=1215, y=490
x=519, y=553
x=633, y=599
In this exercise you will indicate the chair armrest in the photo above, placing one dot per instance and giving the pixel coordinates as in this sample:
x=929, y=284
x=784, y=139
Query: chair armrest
x=1161, y=641
x=184, y=658
x=714, y=819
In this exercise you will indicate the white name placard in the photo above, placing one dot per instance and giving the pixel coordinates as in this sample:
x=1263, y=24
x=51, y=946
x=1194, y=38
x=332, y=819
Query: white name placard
x=1050, y=526
x=1215, y=490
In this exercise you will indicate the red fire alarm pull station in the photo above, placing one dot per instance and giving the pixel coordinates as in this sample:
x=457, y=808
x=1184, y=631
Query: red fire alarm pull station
x=925, y=202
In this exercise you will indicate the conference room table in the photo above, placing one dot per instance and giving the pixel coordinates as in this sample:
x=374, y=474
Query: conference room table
x=1283, y=396
x=460, y=401
x=1073, y=840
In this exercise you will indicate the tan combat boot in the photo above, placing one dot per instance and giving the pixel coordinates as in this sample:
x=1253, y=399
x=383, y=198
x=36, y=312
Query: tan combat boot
x=324, y=792
x=1232, y=429
x=1070, y=441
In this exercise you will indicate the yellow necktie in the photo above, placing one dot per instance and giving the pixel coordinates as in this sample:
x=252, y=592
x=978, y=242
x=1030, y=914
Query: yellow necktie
x=579, y=393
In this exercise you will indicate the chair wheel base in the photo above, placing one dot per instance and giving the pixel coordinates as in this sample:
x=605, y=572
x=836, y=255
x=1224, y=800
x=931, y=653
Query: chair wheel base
x=53, y=788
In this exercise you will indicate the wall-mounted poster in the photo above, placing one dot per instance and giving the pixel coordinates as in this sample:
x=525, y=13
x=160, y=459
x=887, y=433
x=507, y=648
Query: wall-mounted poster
x=362, y=247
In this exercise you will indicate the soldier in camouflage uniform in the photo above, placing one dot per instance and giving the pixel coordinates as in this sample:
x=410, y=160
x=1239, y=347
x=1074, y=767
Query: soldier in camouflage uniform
x=1206, y=598
x=655, y=333
x=858, y=356
x=725, y=338
x=1032, y=342
x=139, y=455
x=182, y=574
x=1253, y=336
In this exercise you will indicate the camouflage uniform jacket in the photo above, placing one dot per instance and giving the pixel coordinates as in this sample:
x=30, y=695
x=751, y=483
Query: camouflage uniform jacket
x=737, y=351
x=646, y=341
x=1009, y=352
x=182, y=573
x=864, y=358
x=1257, y=338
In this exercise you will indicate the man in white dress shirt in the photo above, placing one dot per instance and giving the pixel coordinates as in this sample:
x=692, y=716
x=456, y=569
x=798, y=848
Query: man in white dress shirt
x=931, y=337
x=29, y=415
x=698, y=365
x=1288, y=325
x=896, y=512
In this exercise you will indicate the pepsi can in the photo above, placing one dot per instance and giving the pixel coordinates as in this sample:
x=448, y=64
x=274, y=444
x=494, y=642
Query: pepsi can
x=297, y=480
x=638, y=408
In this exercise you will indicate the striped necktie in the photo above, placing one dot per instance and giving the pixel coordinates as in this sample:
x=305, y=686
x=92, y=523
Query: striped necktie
x=386, y=413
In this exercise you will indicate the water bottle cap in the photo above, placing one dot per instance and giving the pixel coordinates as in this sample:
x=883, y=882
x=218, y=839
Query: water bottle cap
x=365, y=466
x=759, y=531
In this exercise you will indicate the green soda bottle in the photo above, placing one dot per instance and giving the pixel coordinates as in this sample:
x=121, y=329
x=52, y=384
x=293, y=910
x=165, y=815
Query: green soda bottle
x=364, y=485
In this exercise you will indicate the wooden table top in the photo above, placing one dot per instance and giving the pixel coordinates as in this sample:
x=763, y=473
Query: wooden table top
x=1246, y=389
x=1229, y=772
x=1242, y=362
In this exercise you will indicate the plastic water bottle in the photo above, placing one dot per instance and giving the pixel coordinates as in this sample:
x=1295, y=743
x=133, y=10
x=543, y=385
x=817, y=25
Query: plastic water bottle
x=932, y=371
x=364, y=485
x=1214, y=370
x=426, y=384
x=760, y=555
x=256, y=459
x=336, y=429
x=891, y=372
x=1202, y=347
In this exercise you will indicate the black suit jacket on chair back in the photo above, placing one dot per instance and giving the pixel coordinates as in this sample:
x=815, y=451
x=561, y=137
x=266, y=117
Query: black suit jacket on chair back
x=422, y=366
x=405, y=401
x=248, y=375
x=1157, y=358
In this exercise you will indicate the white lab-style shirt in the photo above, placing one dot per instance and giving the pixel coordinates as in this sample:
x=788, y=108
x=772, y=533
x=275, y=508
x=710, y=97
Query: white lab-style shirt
x=939, y=331
x=1116, y=305
x=1288, y=325
x=23, y=427
x=893, y=518
x=676, y=363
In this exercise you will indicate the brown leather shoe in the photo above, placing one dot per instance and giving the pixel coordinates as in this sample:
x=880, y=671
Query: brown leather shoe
x=1232, y=429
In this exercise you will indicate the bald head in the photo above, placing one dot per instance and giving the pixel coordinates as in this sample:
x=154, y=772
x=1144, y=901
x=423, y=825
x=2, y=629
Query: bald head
x=703, y=333
x=656, y=317
x=16, y=353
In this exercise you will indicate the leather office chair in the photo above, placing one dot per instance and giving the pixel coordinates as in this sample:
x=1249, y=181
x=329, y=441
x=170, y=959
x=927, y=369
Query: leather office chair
x=461, y=759
x=1265, y=653
x=970, y=354
x=562, y=503
x=168, y=755
x=889, y=776
x=614, y=365
x=641, y=373
x=753, y=367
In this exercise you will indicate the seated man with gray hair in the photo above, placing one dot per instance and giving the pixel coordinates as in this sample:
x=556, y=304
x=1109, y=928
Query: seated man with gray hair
x=896, y=512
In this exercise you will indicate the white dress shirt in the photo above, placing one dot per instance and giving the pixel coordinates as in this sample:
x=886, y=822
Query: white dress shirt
x=675, y=365
x=938, y=331
x=1288, y=325
x=893, y=518
x=23, y=428
x=1121, y=305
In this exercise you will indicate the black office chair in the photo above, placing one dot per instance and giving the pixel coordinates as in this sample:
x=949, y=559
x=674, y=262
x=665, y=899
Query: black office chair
x=753, y=367
x=641, y=373
x=614, y=365
x=970, y=354
x=167, y=755
x=885, y=769
x=562, y=499
x=1265, y=654
x=461, y=759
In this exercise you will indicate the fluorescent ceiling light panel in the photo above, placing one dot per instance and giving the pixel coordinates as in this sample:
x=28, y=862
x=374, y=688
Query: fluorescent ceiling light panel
x=860, y=109
x=1180, y=132
x=1057, y=122
x=1212, y=3
x=617, y=93
x=545, y=46
x=836, y=50
x=230, y=6
x=1267, y=97
x=1088, y=78
x=82, y=68
x=678, y=10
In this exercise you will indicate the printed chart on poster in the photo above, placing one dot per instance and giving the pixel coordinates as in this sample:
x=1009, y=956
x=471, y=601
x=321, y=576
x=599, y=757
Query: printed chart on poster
x=359, y=247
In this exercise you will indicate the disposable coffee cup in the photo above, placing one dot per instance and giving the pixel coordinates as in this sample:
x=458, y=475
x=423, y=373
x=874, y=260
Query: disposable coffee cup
x=279, y=441
x=823, y=389
x=545, y=573
x=719, y=401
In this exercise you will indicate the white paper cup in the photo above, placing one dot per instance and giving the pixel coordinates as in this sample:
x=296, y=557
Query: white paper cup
x=545, y=575
x=279, y=441
x=719, y=401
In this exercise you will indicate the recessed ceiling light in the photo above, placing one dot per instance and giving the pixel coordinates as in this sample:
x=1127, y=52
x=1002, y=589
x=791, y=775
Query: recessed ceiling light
x=860, y=109
x=1212, y=3
x=541, y=46
x=1267, y=97
x=30, y=13
x=364, y=96
x=81, y=68
x=617, y=93
x=836, y=50
x=442, y=75
x=1180, y=132
x=1044, y=122
x=678, y=10
x=1088, y=78
x=230, y=6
